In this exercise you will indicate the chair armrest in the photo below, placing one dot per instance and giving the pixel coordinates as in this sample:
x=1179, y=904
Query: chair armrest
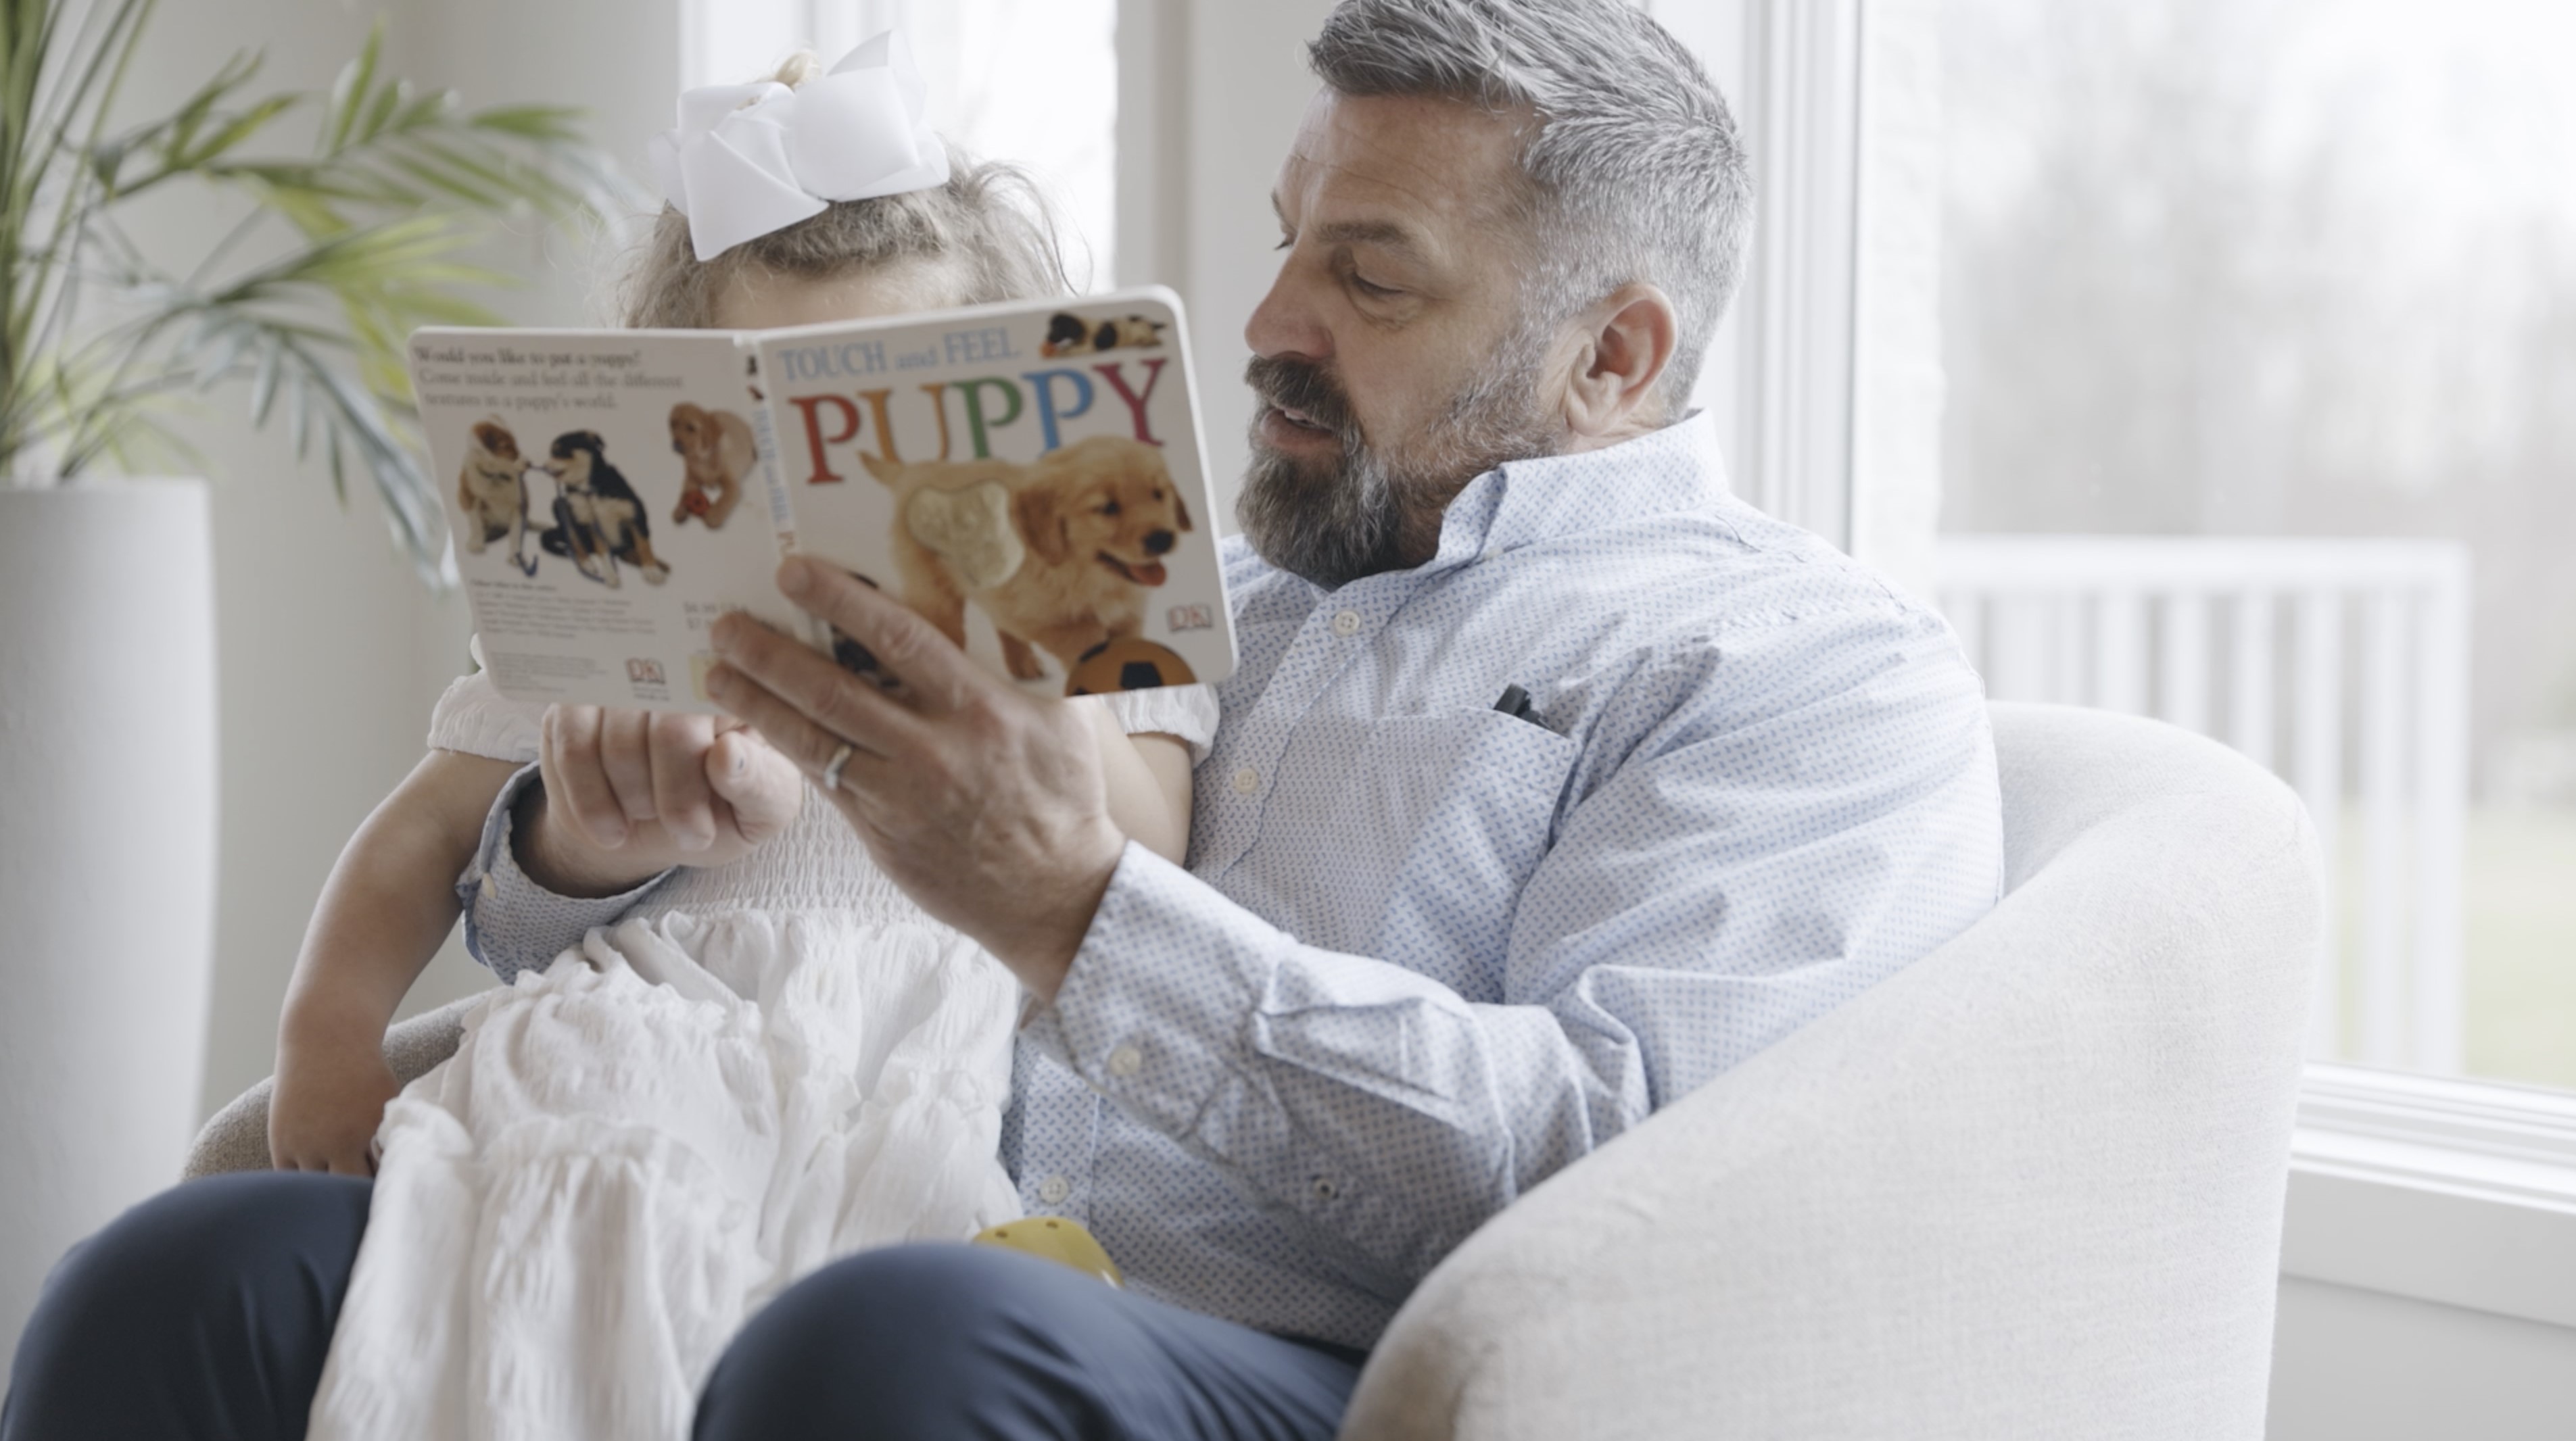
x=236, y=1137
x=2029, y=1187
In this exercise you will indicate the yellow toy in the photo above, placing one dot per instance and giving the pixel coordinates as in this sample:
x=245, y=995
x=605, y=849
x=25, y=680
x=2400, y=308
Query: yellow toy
x=1056, y=1239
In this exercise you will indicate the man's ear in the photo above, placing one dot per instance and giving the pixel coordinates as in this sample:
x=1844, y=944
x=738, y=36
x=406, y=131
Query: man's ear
x=1621, y=354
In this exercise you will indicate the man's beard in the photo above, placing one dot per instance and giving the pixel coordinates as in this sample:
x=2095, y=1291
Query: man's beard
x=1366, y=510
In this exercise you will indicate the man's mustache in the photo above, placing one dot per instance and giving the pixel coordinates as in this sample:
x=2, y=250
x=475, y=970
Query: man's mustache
x=1286, y=383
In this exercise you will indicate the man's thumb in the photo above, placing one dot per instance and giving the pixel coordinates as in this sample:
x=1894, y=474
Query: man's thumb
x=762, y=786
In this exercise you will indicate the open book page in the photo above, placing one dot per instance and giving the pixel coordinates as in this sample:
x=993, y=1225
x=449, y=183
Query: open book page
x=609, y=499
x=1027, y=477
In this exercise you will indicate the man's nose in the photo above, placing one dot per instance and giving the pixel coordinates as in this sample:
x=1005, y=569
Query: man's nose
x=1157, y=541
x=1286, y=322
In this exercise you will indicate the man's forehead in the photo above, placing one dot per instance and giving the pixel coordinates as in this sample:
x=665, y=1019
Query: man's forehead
x=1381, y=160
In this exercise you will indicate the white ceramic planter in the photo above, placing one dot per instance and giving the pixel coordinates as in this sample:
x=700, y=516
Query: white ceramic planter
x=107, y=856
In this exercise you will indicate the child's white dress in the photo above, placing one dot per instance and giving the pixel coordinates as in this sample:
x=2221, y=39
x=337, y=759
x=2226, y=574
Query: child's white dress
x=764, y=1067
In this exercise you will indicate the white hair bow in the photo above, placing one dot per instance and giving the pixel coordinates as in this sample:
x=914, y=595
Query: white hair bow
x=749, y=159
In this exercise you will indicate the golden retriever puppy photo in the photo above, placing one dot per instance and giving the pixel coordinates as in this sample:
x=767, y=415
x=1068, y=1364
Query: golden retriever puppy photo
x=1058, y=554
x=492, y=491
x=716, y=449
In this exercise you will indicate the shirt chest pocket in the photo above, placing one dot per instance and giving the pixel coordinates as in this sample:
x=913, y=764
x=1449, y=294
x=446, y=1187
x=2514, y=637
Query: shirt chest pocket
x=1445, y=818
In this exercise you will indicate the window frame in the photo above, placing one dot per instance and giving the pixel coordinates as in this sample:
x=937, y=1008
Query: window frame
x=2435, y=1188
x=2432, y=1187
x=1781, y=371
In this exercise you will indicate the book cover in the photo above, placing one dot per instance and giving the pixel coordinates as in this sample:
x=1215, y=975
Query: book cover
x=1027, y=477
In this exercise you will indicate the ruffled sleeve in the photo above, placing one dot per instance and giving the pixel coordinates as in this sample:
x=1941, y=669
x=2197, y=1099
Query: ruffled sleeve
x=475, y=718
x=1186, y=711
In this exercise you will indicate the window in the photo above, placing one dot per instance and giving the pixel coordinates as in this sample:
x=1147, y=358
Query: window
x=1032, y=81
x=2259, y=322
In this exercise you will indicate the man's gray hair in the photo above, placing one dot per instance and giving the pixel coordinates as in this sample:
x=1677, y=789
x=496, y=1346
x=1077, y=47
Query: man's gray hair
x=1634, y=170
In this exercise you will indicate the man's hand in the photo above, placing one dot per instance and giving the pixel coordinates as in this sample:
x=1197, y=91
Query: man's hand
x=326, y=1105
x=630, y=794
x=983, y=803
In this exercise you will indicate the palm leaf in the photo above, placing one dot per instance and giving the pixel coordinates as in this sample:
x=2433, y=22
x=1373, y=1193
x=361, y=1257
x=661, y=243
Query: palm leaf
x=399, y=184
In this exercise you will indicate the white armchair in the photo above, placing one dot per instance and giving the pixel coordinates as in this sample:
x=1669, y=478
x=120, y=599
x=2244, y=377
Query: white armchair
x=2031, y=1187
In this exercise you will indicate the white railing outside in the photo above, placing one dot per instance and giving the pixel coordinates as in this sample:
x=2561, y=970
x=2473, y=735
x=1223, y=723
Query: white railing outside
x=2343, y=665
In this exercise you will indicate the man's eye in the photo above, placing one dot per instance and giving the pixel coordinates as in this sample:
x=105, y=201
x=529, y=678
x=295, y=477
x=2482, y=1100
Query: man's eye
x=1284, y=242
x=1372, y=288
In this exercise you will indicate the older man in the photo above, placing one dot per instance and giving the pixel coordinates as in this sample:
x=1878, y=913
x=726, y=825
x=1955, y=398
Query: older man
x=1553, y=783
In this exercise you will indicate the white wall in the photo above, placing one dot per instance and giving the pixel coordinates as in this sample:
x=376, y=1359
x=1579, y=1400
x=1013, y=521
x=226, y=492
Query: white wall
x=329, y=651
x=320, y=627
x=1210, y=95
x=1897, y=382
x=2356, y=1365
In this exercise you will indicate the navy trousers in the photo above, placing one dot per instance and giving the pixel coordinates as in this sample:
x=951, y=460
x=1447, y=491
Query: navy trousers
x=206, y=1312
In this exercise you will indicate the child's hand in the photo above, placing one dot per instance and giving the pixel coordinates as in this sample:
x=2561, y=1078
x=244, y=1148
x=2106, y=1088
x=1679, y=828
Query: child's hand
x=630, y=794
x=328, y=1101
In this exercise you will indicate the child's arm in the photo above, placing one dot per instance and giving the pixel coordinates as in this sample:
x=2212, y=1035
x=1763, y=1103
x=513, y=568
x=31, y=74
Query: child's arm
x=388, y=905
x=1148, y=776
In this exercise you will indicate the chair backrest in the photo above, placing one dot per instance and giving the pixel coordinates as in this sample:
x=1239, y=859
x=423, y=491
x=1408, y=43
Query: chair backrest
x=2029, y=1187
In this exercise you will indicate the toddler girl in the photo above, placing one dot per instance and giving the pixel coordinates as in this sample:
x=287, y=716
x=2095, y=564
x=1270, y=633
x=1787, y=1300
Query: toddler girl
x=773, y=1059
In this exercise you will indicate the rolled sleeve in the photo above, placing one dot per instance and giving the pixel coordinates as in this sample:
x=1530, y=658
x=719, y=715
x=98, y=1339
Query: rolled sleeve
x=1344, y=1089
x=1158, y=1033
x=513, y=924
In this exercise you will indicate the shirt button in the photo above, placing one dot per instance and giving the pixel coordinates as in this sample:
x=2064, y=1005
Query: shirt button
x=1126, y=1061
x=1246, y=781
x=1325, y=1190
x=1347, y=623
x=1054, y=1189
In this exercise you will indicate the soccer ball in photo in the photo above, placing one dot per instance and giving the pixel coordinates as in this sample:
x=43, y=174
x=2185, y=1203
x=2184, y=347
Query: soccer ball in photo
x=1127, y=664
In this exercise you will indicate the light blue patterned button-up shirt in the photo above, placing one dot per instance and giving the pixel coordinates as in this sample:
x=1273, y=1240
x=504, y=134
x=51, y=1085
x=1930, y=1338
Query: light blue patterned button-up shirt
x=1426, y=953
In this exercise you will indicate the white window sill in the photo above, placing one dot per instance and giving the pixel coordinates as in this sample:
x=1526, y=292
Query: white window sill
x=2436, y=1188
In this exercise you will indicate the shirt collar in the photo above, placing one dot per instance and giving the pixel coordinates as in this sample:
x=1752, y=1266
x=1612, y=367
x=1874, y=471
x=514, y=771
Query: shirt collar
x=1676, y=468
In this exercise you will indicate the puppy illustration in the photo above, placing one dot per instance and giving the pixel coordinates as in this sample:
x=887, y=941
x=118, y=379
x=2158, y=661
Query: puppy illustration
x=1058, y=554
x=716, y=450
x=1071, y=334
x=598, y=519
x=492, y=491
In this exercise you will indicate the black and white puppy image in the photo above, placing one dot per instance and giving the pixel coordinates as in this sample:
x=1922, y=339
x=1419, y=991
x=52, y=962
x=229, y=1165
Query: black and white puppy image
x=492, y=491
x=598, y=519
x=1071, y=334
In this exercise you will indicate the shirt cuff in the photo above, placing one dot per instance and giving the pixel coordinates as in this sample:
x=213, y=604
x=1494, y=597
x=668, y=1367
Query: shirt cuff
x=1156, y=1009
x=512, y=924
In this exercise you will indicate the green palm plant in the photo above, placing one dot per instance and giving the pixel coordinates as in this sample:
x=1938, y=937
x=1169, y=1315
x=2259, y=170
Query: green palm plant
x=350, y=246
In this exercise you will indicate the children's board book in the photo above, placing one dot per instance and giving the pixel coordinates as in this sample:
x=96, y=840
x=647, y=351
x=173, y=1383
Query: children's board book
x=1027, y=477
